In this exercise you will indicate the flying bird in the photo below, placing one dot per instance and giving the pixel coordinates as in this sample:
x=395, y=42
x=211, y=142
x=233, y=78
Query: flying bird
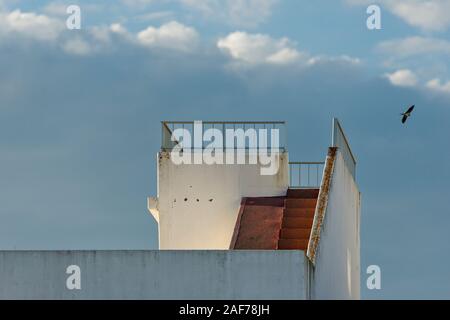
x=407, y=114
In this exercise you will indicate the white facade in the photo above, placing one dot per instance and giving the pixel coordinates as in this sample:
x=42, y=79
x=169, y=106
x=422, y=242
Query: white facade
x=154, y=275
x=197, y=204
x=337, y=267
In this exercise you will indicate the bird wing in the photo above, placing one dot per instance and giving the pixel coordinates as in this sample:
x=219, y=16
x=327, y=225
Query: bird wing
x=410, y=109
x=405, y=117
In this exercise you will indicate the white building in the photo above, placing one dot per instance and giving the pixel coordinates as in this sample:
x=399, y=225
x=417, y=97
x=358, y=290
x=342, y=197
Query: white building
x=226, y=231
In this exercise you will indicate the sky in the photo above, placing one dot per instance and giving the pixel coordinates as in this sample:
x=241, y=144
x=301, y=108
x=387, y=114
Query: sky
x=80, y=114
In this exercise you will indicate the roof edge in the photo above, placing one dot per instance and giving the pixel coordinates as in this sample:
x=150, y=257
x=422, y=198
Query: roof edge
x=322, y=203
x=237, y=225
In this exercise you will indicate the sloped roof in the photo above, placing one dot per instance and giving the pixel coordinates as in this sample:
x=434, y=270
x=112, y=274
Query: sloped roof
x=259, y=223
x=272, y=223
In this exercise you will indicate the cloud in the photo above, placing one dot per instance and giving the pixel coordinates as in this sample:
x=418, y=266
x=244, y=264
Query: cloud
x=412, y=46
x=426, y=56
x=407, y=78
x=118, y=28
x=172, y=35
x=96, y=39
x=426, y=14
x=431, y=15
x=103, y=34
x=77, y=46
x=258, y=48
x=402, y=78
x=241, y=13
x=243, y=47
x=19, y=26
x=30, y=25
x=436, y=85
x=320, y=59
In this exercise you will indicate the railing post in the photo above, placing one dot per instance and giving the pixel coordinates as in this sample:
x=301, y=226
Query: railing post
x=166, y=130
x=295, y=168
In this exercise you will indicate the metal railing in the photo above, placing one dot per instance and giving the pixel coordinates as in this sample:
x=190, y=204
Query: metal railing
x=305, y=174
x=340, y=141
x=168, y=128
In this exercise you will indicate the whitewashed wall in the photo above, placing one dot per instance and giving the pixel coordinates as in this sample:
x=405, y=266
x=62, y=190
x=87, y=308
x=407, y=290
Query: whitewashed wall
x=154, y=274
x=337, y=271
x=197, y=205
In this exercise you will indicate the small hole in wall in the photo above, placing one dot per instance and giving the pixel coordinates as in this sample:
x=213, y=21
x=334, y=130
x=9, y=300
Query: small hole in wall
x=185, y=199
x=198, y=200
x=211, y=200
